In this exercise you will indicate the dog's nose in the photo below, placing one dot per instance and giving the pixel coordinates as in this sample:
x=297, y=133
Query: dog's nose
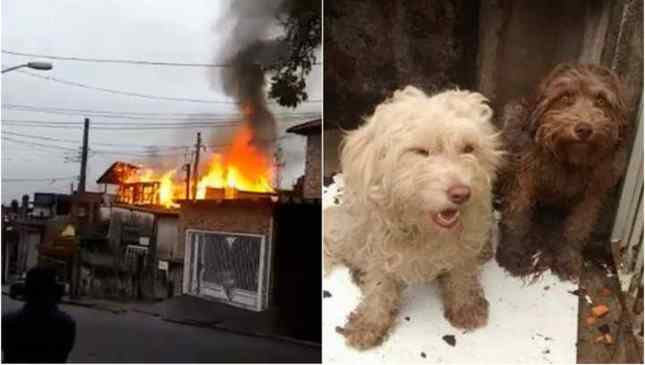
x=459, y=194
x=583, y=130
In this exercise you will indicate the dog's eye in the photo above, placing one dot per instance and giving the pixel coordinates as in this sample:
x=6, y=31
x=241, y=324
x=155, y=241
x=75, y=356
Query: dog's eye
x=600, y=102
x=566, y=99
x=469, y=148
x=421, y=151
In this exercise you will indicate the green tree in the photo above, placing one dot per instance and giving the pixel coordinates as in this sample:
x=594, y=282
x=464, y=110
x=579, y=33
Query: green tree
x=302, y=22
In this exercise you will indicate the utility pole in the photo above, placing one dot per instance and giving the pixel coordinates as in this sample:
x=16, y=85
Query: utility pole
x=86, y=132
x=187, y=168
x=76, y=270
x=278, y=158
x=198, y=147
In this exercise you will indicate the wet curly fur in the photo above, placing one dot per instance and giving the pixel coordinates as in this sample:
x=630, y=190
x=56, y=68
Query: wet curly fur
x=400, y=169
x=567, y=152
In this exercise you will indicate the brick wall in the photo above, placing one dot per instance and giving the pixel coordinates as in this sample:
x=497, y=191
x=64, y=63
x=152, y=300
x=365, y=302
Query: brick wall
x=228, y=216
x=312, y=167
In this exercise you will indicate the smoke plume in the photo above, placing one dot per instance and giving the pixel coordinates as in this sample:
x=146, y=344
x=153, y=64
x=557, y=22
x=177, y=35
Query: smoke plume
x=249, y=50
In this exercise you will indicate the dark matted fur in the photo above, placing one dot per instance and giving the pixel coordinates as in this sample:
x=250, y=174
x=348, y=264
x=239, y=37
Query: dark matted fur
x=554, y=185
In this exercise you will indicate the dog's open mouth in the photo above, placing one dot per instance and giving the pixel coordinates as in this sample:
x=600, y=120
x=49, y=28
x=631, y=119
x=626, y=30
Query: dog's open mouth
x=446, y=218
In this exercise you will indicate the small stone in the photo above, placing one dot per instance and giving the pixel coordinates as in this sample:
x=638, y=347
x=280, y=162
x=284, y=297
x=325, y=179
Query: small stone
x=423, y=355
x=407, y=319
x=450, y=340
x=546, y=287
x=578, y=292
x=599, y=311
x=326, y=294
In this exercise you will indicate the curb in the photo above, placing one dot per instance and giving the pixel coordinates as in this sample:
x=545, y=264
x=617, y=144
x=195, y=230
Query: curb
x=94, y=306
x=150, y=313
x=86, y=305
x=215, y=326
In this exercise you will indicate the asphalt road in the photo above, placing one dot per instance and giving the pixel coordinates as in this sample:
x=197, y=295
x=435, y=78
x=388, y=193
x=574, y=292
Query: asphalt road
x=135, y=337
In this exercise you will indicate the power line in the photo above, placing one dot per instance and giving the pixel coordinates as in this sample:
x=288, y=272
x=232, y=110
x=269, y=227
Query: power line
x=93, y=151
x=95, y=143
x=140, y=95
x=147, y=116
x=123, y=61
x=145, y=154
x=41, y=179
x=55, y=147
x=118, y=126
x=121, y=92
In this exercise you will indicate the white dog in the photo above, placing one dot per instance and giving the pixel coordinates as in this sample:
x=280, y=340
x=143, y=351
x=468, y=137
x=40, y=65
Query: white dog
x=417, y=206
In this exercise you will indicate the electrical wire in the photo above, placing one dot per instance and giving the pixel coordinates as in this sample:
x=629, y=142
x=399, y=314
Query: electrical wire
x=140, y=95
x=122, y=61
x=147, y=116
x=147, y=154
x=41, y=179
x=95, y=143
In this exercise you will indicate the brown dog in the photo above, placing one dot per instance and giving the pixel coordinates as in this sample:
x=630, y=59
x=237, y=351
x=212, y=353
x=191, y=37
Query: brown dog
x=566, y=153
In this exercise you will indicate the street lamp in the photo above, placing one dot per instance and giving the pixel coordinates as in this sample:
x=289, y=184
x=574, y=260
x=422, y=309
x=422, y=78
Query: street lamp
x=43, y=66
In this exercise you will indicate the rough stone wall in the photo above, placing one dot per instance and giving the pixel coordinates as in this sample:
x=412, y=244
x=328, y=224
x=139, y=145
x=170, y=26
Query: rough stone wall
x=375, y=47
x=312, y=189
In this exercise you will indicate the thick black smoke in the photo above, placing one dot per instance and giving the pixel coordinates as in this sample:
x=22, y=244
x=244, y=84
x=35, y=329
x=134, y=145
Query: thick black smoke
x=249, y=50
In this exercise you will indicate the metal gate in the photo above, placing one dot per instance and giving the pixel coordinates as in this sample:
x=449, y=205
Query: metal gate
x=228, y=267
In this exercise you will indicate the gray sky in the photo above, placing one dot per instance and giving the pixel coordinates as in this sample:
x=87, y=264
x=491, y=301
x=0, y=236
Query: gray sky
x=167, y=31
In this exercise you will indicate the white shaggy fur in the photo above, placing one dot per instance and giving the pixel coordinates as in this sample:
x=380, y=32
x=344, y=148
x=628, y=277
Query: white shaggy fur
x=397, y=169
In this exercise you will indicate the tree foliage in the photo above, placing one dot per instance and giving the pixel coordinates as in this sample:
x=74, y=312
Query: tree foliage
x=302, y=22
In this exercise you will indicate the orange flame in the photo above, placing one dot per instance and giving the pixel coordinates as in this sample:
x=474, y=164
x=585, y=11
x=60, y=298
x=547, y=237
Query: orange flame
x=242, y=167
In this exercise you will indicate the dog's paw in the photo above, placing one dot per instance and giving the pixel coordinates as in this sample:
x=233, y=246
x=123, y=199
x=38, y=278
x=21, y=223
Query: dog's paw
x=468, y=315
x=515, y=263
x=568, y=266
x=363, y=334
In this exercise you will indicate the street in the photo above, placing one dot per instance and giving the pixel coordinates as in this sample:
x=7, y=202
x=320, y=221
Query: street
x=135, y=337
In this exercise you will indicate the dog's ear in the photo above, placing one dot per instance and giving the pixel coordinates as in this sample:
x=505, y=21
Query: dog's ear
x=409, y=92
x=618, y=101
x=537, y=107
x=556, y=72
x=359, y=154
x=540, y=101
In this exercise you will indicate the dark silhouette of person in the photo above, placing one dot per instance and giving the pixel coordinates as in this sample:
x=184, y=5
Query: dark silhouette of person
x=39, y=332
